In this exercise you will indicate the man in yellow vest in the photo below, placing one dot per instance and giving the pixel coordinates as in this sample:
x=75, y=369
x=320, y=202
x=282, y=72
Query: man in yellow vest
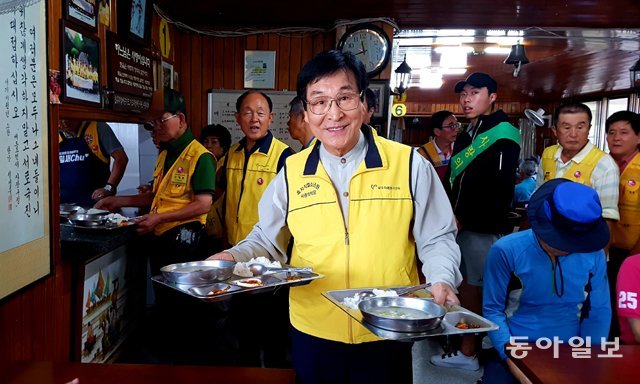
x=183, y=185
x=85, y=150
x=250, y=164
x=575, y=159
x=438, y=151
x=359, y=208
x=181, y=196
x=623, y=137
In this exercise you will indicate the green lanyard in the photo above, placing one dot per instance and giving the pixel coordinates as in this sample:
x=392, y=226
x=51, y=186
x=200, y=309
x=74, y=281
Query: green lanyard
x=483, y=141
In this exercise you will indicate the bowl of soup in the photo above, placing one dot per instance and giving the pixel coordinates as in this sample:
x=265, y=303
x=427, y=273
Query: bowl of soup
x=402, y=314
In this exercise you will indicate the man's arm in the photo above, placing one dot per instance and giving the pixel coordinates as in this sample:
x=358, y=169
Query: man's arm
x=120, y=161
x=270, y=235
x=605, y=179
x=627, y=292
x=497, y=273
x=596, y=325
x=199, y=206
x=112, y=203
x=434, y=231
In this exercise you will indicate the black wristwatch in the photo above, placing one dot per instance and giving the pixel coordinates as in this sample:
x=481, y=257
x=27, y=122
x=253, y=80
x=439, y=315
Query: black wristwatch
x=110, y=188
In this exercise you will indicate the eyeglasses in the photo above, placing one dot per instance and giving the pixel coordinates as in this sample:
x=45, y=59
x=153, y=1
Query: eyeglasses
x=344, y=101
x=153, y=123
x=453, y=126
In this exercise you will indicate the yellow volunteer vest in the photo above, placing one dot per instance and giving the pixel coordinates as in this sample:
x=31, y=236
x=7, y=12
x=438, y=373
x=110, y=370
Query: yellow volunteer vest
x=578, y=172
x=172, y=190
x=429, y=152
x=626, y=231
x=245, y=186
x=89, y=131
x=215, y=219
x=375, y=249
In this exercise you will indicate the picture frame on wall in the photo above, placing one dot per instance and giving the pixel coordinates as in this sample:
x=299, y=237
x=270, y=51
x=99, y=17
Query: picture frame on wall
x=80, y=66
x=381, y=89
x=134, y=20
x=82, y=12
x=167, y=75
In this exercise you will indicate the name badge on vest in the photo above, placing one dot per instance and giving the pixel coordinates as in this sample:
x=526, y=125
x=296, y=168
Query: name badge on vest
x=179, y=178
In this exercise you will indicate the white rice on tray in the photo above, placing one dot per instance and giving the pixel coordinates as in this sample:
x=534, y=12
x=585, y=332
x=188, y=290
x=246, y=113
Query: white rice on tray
x=242, y=268
x=353, y=301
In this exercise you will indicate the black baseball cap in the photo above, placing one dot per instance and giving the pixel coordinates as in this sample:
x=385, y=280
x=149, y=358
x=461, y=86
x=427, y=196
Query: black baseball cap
x=478, y=80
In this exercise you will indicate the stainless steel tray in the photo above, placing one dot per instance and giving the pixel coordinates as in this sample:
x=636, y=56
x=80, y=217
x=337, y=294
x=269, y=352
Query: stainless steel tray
x=454, y=315
x=98, y=228
x=231, y=286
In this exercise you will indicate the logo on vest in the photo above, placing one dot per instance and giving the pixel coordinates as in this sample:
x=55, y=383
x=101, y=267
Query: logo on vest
x=377, y=187
x=577, y=174
x=308, y=189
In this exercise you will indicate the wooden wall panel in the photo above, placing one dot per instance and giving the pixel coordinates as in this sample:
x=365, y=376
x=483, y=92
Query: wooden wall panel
x=206, y=63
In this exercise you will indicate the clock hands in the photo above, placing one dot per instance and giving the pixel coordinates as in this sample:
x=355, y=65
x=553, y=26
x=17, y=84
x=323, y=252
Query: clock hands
x=363, y=51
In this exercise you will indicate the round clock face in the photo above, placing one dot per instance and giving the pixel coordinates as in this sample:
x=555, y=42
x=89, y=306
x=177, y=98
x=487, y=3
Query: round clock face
x=368, y=43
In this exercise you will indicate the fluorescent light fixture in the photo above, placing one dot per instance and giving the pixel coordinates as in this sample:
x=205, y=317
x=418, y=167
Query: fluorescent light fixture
x=497, y=50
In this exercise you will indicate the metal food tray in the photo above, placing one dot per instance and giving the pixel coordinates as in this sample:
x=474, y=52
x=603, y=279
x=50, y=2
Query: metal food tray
x=454, y=315
x=102, y=227
x=270, y=282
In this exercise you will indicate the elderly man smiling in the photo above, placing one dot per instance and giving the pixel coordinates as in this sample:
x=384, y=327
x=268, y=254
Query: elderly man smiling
x=359, y=207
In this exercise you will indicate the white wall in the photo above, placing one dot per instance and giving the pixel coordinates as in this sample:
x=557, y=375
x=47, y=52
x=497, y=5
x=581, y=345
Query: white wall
x=142, y=154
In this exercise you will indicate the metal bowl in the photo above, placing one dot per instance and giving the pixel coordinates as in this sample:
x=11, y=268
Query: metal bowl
x=88, y=219
x=69, y=209
x=402, y=314
x=198, y=272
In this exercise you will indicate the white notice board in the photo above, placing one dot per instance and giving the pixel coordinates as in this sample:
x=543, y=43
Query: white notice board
x=222, y=108
x=25, y=252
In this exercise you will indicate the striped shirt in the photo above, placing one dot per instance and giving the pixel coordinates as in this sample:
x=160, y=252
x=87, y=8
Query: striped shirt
x=605, y=179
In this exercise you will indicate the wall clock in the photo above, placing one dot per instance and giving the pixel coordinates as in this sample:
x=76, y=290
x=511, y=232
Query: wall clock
x=370, y=44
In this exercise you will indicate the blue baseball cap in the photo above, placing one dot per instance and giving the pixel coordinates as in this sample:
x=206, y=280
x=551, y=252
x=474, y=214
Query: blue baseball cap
x=568, y=216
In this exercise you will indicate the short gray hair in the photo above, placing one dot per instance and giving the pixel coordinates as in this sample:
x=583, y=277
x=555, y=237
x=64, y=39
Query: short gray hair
x=296, y=107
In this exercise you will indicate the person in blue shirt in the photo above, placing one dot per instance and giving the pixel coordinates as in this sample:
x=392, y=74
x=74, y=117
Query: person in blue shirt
x=524, y=189
x=551, y=280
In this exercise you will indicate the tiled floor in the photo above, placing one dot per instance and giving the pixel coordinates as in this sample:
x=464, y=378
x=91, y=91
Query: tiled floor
x=424, y=372
x=148, y=346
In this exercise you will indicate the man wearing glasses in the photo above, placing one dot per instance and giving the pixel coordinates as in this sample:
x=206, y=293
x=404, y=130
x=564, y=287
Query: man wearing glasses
x=183, y=185
x=438, y=151
x=359, y=208
x=179, y=201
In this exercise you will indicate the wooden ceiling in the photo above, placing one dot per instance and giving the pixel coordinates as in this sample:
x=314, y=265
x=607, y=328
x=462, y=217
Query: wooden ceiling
x=574, y=46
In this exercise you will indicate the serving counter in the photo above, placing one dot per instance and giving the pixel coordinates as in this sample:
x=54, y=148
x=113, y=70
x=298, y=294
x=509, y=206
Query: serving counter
x=109, y=288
